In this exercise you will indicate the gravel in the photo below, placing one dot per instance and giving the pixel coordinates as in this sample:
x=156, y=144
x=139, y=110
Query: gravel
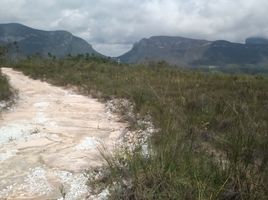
x=74, y=185
x=36, y=182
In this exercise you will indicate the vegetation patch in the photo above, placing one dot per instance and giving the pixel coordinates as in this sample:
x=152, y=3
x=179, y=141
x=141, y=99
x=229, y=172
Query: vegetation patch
x=6, y=92
x=212, y=133
x=4, y=88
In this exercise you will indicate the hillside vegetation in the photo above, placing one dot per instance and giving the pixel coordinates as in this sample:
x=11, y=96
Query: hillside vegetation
x=5, y=89
x=212, y=133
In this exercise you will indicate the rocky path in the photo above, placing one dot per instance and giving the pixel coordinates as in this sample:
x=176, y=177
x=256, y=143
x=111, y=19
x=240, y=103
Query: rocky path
x=49, y=138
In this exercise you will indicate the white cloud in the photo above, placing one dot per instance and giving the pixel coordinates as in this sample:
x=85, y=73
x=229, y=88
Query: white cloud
x=113, y=25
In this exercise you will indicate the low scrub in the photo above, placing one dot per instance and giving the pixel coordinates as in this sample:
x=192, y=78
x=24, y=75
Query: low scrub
x=5, y=89
x=6, y=93
x=212, y=132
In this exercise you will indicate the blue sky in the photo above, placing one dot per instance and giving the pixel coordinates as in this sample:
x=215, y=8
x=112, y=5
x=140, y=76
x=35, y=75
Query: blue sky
x=112, y=26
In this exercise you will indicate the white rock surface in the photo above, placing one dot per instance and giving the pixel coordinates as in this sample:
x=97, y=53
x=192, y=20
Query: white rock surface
x=88, y=143
x=49, y=138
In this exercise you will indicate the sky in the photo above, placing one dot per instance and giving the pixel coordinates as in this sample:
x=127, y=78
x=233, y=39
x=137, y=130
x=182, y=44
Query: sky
x=112, y=26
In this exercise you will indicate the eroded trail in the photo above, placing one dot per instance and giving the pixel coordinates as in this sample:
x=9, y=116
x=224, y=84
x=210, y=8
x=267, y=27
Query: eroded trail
x=49, y=138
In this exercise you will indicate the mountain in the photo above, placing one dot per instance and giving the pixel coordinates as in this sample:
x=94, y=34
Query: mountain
x=192, y=52
x=175, y=50
x=224, y=52
x=28, y=41
x=256, y=40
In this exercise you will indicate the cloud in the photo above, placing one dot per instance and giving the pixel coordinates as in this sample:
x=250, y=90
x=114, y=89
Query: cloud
x=112, y=26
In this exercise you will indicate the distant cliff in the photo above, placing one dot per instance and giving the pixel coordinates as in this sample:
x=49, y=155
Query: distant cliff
x=191, y=52
x=28, y=41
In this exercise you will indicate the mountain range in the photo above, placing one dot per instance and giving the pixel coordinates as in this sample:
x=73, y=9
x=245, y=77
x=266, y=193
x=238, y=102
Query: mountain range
x=192, y=52
x=177, y=51
x=29, y=41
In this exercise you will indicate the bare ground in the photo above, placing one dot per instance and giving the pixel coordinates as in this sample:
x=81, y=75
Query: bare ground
x=49, y=138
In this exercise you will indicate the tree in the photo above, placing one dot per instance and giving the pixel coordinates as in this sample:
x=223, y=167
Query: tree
x=16, y=45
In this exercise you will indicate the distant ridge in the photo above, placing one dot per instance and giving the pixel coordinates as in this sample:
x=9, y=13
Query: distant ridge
x=256, y=40
x=31, y=41
x=192, y=52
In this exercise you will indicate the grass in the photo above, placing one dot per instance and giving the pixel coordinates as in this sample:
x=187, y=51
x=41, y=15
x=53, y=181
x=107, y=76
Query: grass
x=5, y=89
x=212, y=136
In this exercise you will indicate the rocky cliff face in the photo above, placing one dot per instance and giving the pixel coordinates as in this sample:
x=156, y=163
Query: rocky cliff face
x=191, y=52
x=175, y=50
x=30, y=41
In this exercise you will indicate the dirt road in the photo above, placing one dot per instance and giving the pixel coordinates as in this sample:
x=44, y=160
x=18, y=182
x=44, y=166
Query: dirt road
x=49, y=138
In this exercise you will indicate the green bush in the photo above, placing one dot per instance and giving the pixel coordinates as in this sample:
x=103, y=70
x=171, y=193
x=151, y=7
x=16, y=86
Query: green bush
x=5, y=90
